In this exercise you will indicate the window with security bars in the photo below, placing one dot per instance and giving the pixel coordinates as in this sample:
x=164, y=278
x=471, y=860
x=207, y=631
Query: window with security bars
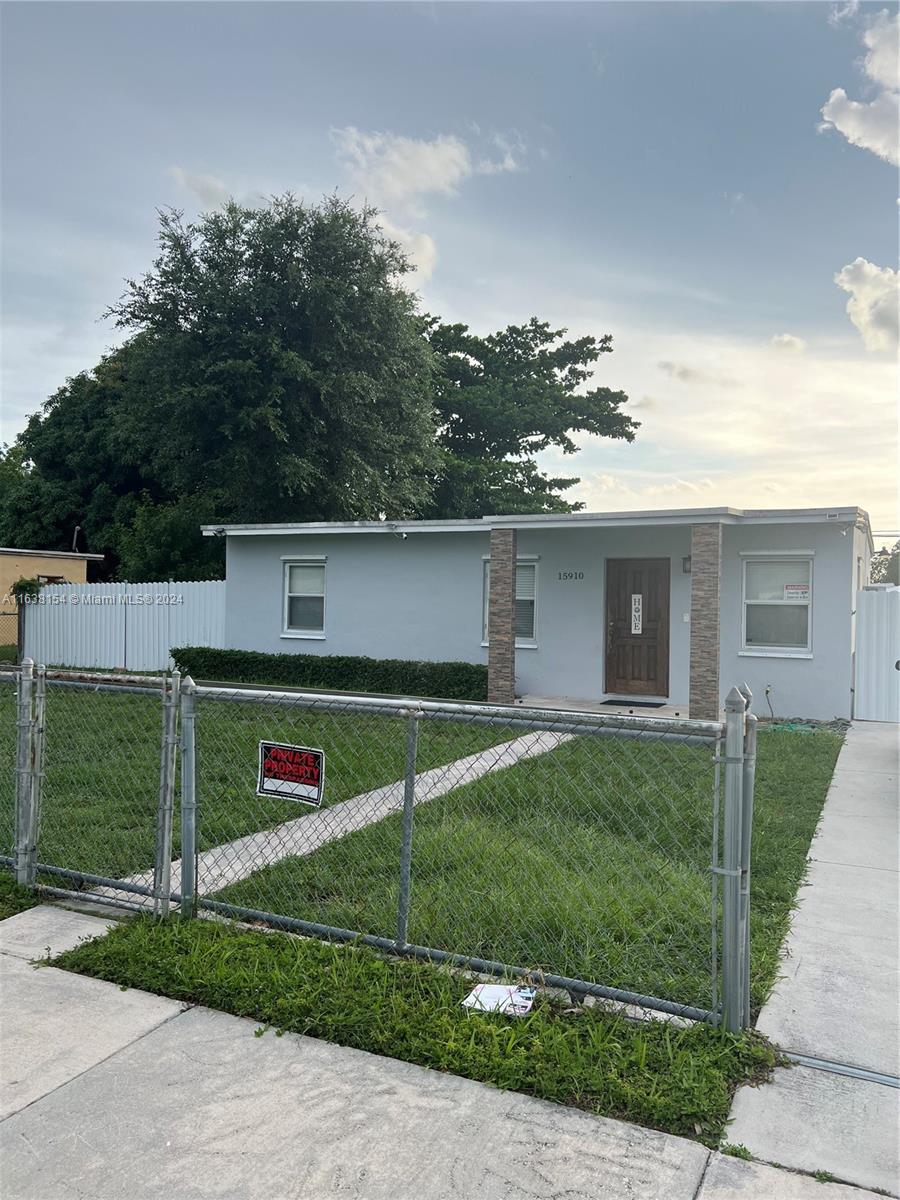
x=526, y=603
x=304, y=598
x=777, y=604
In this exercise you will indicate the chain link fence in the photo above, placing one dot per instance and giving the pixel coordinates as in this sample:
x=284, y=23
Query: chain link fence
x=583, y=851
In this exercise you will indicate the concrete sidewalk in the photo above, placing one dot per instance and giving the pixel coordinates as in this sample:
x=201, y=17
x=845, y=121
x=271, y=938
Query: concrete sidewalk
x=112, y=1094
x=838, y=998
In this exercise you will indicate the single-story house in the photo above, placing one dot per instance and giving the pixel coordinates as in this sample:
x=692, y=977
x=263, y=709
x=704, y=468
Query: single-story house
x=674, y=606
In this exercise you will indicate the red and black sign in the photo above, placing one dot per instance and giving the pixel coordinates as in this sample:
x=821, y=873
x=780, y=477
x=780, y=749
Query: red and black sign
x=293, y=772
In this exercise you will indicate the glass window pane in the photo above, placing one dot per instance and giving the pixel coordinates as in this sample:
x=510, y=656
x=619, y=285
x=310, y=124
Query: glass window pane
x=777, y=625
x=306, y=612
x=306, y=580
x=525, y=619
x=778, y=580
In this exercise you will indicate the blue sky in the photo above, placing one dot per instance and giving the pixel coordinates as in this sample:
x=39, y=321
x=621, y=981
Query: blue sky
x=653, y=170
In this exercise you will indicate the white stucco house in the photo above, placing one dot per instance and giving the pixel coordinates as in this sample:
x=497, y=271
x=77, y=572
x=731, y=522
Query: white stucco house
x=673, y=606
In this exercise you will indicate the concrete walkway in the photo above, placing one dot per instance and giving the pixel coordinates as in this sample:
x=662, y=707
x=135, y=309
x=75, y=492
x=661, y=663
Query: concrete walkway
x=108, y=1094
x=838, y=998
x=233, y=861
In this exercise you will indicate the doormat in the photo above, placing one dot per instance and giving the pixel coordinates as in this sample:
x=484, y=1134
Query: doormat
x=635, y=703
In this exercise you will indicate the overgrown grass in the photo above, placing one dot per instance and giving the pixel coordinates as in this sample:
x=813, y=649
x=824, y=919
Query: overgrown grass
x=590, y=861
x=101, y=770
x=14, y=899
x=676, y=1079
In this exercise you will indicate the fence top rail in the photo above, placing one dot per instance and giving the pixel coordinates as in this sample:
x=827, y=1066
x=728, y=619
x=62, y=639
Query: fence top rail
x=99, y=678
x=517, y=714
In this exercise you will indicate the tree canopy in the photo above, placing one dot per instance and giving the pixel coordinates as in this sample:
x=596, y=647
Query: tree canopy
x=275, y=368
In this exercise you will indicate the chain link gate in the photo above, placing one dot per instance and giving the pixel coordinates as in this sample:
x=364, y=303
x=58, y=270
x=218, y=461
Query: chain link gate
x=581, y=850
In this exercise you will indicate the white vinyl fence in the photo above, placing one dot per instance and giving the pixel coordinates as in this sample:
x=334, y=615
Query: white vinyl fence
x=878, y=653
x=122, y=626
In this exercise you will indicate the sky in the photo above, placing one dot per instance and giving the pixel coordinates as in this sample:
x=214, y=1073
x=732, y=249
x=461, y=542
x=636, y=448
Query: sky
x=714, y=184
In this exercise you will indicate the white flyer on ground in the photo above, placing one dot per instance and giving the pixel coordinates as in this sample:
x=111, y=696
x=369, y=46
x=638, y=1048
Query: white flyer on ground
x=501, y=997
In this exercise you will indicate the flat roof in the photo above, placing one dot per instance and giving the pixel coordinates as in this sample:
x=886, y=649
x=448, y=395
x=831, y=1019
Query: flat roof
x=51, y=553
x=668, y=516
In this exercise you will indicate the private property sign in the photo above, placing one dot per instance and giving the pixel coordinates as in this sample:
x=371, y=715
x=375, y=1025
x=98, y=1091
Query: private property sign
x=293, y=772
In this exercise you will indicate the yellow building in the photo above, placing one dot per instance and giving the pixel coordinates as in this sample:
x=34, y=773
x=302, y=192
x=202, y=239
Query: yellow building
x=49, y=566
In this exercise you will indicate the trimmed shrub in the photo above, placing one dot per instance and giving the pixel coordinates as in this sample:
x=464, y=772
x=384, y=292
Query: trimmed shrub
x=344, y=673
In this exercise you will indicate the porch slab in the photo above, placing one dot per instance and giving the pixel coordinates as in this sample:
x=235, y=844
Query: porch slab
x=573, y=704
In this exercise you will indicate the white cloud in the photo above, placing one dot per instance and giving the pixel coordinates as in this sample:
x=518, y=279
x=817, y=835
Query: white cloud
x=845, y=13
x=419, y=248
x=398, y=173
x=873, y=125
x=207, y=188
x=395, y=170
x=882, y=40
x=789, y=342
x=872, y=306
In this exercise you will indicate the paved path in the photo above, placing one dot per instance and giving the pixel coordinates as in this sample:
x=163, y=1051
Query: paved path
x=232, y=861
x=109, y=1094
x=839, y=998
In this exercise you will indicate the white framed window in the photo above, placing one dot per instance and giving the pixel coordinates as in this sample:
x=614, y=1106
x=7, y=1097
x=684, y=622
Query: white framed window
x=526, y=603
x=304, y=598
x=777, y=601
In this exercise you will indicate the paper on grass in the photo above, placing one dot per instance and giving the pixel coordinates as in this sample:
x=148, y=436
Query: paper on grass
x=500, y=997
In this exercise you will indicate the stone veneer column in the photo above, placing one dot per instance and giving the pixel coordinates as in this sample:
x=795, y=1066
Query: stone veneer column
x=502, y=618
x=706, y=578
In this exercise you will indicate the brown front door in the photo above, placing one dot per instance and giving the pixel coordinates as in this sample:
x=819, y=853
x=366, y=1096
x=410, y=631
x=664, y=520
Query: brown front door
x=637, y=626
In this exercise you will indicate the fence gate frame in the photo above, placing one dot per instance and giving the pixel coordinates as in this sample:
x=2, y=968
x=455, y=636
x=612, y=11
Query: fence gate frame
x=733, y=742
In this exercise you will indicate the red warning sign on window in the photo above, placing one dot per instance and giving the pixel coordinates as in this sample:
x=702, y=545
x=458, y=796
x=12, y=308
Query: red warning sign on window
x=293, y=772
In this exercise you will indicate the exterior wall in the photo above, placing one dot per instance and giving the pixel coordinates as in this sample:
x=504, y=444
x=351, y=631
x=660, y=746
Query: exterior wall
x=422, y=597
x=28, y=566
x=385, y=597
x=818, y=687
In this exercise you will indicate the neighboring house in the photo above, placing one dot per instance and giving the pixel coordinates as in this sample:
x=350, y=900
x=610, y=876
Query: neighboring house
x=49, y=566
x=673, y=606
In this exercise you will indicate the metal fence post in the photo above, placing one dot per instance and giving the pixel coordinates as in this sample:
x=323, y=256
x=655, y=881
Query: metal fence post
x=162, y=872
x=188, y=889
x=749, y=782
x=37, y=772
x=24, y=735
x=409, y=800
x=732, y=948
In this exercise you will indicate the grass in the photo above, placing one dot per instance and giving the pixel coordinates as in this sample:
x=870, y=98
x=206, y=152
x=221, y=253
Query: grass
x=101, y=770
x=676, y=1079
x=8, y=653
x=14, y=899
x=590, y=861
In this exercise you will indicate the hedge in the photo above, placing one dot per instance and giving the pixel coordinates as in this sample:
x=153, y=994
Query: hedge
x=392, y=676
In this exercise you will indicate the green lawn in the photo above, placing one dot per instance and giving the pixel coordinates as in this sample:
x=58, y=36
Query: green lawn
x=101, y=770
x=678, y=1080
x=590, y=861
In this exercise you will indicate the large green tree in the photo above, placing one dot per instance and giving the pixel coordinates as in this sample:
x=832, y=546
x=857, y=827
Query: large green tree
x=274, y=370
x=502, y=399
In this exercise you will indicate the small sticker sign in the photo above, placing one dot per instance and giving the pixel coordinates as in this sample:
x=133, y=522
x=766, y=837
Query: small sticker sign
x=796, y=591
x=637, y=612
x=293, y=772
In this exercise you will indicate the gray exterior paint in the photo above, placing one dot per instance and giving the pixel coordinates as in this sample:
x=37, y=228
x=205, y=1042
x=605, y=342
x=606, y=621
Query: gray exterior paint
x=422, y=597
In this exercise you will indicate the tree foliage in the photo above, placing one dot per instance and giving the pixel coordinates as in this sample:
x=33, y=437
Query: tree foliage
x=885, y=567
x=504, y=398
x=274, y=368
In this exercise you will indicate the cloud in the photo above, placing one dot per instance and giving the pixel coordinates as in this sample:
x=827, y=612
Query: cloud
x=873, y=125
x=872, y=306
x=207, y=188
x=789, y=342
x=697, y=375
x=419, y=248
x=846, y=12
x=400, y=172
